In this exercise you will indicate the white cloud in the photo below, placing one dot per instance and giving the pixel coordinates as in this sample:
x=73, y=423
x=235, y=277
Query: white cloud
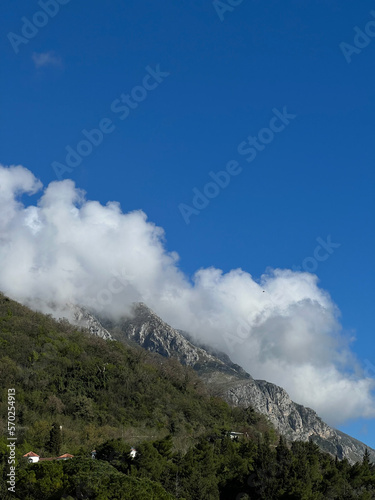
x=42, y=59
x=284, y=328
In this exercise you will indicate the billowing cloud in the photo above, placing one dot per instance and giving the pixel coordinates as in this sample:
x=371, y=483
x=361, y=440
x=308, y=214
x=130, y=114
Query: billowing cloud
x=42, y=59
x=283, y=327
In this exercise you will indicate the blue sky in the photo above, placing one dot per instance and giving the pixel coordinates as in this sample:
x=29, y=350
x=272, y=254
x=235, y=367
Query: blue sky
x=224, y=72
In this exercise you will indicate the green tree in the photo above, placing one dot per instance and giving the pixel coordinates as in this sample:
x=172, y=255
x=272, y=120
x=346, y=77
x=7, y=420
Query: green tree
x=55, y=439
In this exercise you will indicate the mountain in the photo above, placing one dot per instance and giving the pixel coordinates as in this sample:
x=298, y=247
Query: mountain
x=146, y=329
x=110, y=397
x=82, y=317
x=232, y=383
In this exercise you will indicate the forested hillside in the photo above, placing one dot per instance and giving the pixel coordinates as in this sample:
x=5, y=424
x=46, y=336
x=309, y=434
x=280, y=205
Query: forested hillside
x=75, y=393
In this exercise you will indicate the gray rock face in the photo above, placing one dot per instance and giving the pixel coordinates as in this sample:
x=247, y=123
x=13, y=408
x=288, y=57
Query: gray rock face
x=237, y=387
x=147, y=330
x=292, y=420
x=82, y=317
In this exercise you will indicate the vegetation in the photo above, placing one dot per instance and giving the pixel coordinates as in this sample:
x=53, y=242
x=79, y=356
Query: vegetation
x=75, y=393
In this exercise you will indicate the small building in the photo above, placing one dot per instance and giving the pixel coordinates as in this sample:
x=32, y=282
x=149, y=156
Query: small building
x=235, y=435
x=66, y=456
x=31, y=457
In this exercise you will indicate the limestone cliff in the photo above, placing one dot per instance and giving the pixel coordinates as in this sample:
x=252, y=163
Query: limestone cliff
x=231, y=382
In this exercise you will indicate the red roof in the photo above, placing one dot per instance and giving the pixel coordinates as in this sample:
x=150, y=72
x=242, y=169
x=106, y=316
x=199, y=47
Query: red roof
x=32, y=454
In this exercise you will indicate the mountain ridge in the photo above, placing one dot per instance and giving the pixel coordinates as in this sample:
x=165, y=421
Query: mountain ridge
x=233, y=383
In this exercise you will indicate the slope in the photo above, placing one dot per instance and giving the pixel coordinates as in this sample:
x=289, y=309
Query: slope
x=230, y=381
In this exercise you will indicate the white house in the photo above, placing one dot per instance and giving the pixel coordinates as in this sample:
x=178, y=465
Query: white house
x=32, y=457
x=235, y=435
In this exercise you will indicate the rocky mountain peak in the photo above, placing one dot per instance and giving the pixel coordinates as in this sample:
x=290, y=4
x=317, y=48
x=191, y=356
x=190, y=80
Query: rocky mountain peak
x=231, y=382
x=82, y=317
x=148, y=330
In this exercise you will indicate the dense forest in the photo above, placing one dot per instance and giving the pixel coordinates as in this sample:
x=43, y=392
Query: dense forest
x=75, y=393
